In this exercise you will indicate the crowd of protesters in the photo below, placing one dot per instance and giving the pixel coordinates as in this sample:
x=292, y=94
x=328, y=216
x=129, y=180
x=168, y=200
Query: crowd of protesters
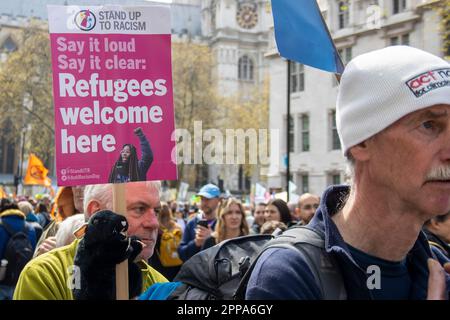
x=228, y=218
x=394, y=214
x=182, y=229
x=52, y=223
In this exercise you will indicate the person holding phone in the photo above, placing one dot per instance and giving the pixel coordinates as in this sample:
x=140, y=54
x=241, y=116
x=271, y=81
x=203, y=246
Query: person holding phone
x=201, y=226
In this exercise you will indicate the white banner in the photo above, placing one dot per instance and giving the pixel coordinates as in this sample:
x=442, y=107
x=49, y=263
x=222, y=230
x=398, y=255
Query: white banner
x=182, y=191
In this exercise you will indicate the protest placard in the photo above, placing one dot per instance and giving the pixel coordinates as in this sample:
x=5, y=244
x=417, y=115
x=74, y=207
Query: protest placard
x=113, y=97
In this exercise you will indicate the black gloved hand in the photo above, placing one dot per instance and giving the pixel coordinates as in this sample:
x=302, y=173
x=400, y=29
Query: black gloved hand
x=104, y=246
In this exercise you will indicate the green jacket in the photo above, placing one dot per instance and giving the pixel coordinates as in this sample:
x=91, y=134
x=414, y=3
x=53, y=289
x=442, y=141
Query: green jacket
x=48, y=277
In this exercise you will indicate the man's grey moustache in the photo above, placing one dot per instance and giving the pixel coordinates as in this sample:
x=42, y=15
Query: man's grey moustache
x=439, y=174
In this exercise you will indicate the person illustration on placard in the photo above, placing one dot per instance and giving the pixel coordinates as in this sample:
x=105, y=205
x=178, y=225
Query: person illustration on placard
x=128, y=167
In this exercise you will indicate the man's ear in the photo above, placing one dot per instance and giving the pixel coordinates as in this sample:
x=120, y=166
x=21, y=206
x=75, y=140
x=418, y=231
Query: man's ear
x=360, y=152
x=434, y=225
x=93, y=207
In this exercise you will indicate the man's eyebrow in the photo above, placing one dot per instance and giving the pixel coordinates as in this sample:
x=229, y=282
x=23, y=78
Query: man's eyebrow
x=429, y=114
x=139, y=203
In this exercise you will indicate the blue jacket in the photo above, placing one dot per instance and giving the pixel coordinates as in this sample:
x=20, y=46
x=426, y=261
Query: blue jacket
x=187, y=246
x=15, y=219
x=283, y=273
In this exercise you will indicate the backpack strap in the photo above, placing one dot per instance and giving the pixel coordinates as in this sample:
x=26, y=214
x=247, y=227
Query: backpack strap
x=432, y=243
x=311, y=244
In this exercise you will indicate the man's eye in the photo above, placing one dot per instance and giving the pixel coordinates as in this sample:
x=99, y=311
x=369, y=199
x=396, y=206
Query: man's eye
x=428, y=125
x=139, y=210
x=157, y=211
x=431, y=127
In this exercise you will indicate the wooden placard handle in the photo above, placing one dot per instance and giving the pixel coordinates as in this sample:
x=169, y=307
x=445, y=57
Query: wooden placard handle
x=120, y=207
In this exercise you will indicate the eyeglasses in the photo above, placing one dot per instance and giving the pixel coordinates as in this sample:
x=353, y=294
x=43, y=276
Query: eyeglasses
x=309, y=206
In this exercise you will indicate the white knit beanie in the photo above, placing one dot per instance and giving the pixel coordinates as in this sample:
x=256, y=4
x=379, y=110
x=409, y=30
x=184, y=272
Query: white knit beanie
x=382, y=86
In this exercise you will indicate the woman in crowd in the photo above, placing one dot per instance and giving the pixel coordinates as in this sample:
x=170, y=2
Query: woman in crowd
x=165, y=259
x=277, y=210
x=231, y=223
x=43, y=214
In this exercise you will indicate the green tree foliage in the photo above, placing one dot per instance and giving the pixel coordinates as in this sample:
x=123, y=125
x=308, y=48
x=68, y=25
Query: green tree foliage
x=250, y=110
x=26, y=95
x=195, y=96
x=444, y=11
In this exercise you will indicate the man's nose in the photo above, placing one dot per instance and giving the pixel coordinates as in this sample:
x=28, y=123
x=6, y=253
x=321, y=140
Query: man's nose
x=150, y=220
x=444, y=154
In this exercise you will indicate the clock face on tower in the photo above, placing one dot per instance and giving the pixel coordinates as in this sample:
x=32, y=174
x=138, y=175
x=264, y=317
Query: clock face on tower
x=247, y=16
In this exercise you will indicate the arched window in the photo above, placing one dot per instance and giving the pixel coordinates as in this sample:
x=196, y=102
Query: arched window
x=245, y=68
x=9, y=45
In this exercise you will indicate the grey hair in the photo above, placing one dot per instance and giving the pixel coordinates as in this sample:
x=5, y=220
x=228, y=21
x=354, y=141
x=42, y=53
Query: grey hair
x=25, y=207
x=64, y=235
x=102, y=193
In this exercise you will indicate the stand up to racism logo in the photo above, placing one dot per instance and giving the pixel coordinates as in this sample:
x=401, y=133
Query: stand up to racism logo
x=85, y=20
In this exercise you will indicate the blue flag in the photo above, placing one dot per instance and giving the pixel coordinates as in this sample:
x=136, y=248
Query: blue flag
x=302, y=35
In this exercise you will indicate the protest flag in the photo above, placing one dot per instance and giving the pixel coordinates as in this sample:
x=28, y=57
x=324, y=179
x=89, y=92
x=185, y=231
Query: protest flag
x=36, y=172
x=2, y=193
x=301, y=35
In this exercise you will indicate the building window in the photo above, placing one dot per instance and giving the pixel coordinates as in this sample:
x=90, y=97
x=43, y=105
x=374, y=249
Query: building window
x=335, y=143
x=245, y=68
x=305, y=182
x=305, y=132
x=394, y=41
x=400, y=40
x=9, y=45
x=291, y=134
x=398, y=6
x=297, y=77
x=343, y=14
x=335, y=178
x=346, y=54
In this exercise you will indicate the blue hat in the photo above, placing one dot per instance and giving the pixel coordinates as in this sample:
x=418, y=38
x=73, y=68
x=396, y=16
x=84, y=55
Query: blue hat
x=209, y=191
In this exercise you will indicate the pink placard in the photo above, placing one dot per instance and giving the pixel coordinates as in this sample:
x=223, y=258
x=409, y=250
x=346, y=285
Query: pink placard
x=106, y=86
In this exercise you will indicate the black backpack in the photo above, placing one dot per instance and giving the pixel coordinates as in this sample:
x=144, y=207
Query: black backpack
x=18, y=252
x=215, y=273
x=222, y=272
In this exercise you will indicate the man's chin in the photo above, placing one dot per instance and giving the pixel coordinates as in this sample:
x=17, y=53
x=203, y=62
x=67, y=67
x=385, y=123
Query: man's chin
x=145, y=254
